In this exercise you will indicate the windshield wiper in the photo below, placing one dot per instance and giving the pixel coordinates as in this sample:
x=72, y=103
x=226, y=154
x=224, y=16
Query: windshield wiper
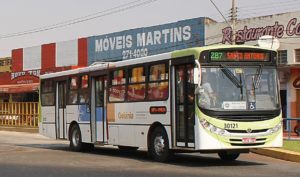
x=257, y=77
x=231, y=77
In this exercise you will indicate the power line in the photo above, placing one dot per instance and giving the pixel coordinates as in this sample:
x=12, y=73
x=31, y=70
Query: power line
x=114, y=10
x=220, y=12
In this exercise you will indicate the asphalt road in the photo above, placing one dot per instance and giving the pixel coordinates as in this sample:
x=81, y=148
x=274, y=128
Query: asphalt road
x=32, y=155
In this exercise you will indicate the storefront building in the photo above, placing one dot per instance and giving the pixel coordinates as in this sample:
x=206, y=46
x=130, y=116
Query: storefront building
x=20, y=83
x=286, y=28
x=19, y=79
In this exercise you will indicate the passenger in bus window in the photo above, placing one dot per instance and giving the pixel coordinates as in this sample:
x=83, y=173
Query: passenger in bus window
x=208, y=97
x=84, y=98
x=180, y=84
x=73, y=97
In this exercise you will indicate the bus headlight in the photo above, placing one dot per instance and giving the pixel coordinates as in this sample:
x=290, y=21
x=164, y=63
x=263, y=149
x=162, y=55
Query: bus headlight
x=212, y=128
x=204, y=123
x=275, y=129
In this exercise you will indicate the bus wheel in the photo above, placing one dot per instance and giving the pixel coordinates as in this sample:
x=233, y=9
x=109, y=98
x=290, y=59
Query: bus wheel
x=75, y=139
x=228, y=156
x=159, y=145
x=127, y=148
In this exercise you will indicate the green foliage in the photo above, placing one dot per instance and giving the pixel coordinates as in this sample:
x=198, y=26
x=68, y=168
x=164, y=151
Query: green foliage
x=292, y=145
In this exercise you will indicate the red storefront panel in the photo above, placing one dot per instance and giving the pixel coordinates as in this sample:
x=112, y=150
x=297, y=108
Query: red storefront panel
x=5, y=78
x=17, y=60
x=48, y=56
x=82, y=52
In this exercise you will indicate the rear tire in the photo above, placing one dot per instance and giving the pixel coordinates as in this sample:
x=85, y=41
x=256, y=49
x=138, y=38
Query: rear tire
x=159, y=145
x=228, y=156
x=76, y=139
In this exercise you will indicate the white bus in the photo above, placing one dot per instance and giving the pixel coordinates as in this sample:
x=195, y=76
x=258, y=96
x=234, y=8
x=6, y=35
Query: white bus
x=215, y=99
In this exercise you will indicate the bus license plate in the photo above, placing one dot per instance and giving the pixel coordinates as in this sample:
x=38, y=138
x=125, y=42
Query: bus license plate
x=249, y=140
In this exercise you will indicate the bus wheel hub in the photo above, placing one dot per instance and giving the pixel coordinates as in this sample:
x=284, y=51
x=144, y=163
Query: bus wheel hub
x=159, y=144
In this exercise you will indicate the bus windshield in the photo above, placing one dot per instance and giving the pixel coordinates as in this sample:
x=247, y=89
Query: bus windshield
x=229, y=88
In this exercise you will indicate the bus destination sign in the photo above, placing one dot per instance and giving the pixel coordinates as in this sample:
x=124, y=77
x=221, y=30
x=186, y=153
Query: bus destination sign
x=246, y=56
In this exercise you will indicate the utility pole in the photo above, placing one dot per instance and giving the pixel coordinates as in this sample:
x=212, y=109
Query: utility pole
x=233, y=21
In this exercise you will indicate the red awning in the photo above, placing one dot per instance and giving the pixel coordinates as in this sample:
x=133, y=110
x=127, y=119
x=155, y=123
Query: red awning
x=19, y=88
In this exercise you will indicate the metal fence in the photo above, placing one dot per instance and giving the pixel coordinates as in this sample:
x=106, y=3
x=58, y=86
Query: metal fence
x=20, y=114
x=291, y=128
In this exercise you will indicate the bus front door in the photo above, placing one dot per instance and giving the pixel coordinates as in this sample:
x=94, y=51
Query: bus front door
x=184, y=106
x=61, y=110
x=98, y=104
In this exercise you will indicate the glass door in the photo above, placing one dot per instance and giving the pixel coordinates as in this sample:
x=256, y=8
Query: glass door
x=184, y=105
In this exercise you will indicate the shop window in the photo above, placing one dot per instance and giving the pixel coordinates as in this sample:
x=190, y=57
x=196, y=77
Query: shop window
x=282, y=56
x=297, y=55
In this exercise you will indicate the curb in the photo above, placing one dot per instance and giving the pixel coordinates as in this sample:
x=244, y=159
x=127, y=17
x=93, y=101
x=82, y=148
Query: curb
x=278, y=154
x=20, y=129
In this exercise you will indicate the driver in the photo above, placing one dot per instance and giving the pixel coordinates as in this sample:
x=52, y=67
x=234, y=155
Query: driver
x=207, y=98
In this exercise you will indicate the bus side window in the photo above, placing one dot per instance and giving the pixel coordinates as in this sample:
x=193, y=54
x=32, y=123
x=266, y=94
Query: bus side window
x=83, y=94
x=73, y=90
x=136, y=88
x=158, y=82
x=47, y=93
x=117, y=86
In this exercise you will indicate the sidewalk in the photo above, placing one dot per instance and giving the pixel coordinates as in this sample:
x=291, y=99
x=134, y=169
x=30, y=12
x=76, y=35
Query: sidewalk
x=279, y=154
x=19, y=129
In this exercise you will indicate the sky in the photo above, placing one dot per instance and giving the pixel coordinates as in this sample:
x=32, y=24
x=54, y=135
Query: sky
x=27, y=23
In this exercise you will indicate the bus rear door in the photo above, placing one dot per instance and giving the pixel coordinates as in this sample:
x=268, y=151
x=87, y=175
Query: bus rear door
x=61, y=110
x=98, y=104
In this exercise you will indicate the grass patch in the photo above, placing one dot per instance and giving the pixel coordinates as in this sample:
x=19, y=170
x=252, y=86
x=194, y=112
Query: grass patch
x=292, y=145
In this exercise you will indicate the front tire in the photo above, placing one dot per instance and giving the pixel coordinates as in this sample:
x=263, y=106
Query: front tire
x=228, y=156
x=159, y=145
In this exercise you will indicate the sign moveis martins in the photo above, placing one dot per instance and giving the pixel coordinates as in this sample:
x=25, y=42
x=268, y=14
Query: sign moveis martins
x=292, y=28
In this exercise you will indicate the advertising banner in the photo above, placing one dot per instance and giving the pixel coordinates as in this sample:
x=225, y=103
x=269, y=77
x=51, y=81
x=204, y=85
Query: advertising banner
x=146, y=41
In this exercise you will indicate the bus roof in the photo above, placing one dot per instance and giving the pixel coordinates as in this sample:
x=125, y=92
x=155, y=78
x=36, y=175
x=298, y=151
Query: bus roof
x=76, y=71
x=107, y=65
x=175, y=54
